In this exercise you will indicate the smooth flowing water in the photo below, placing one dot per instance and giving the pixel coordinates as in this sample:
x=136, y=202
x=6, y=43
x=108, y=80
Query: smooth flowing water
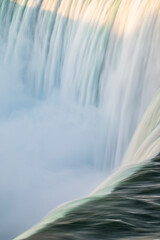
x=76, y=77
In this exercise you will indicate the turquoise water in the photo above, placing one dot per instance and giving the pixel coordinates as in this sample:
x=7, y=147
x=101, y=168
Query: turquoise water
x=131, y=211
x=77, y=79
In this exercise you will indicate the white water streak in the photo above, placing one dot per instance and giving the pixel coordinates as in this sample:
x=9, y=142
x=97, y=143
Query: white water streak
x=94, y=61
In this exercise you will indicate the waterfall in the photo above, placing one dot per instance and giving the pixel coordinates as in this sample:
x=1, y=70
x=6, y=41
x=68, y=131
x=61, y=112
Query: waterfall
x=76, y=77
x=144, y=146
x=99, y=53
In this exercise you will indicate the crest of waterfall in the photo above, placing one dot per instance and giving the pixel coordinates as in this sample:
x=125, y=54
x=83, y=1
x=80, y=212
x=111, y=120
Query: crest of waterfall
x=101, y=53
x=146, y=141
x=76, y=77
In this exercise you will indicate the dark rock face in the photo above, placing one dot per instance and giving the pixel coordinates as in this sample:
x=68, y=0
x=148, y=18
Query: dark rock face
x=132, y=210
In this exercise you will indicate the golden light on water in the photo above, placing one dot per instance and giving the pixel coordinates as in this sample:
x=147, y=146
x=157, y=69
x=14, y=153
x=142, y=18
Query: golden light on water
x=81, y=10
x=132, y=14
x=125, y=16
x=20, y=2
x=49, y=5
x=29, y=3
x=33, y=3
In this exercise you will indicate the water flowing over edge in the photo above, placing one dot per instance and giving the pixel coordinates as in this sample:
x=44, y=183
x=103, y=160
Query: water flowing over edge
x=147, y=132
x=130, y=211
x=104, y=82
x=85, y=50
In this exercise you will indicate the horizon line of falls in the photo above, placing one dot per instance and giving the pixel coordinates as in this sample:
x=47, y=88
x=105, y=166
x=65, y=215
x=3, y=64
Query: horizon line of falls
x=76, y=77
